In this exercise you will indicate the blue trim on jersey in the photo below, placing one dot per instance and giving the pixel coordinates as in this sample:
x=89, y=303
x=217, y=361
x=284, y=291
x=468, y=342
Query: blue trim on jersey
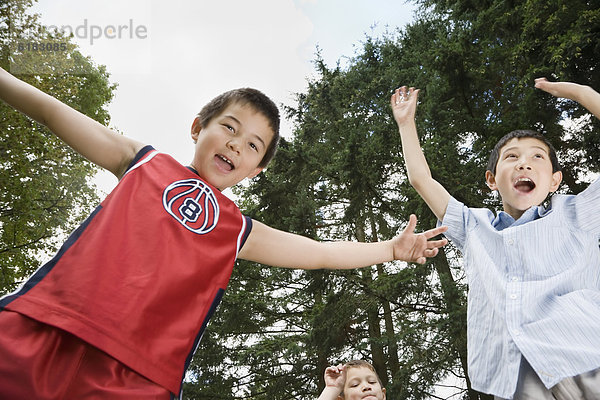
x=145, y=150
x=192, y=169
x=246, y=231
x=211, y=311
x=46, y=268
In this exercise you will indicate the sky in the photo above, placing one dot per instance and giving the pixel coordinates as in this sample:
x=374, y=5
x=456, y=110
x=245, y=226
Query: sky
x=169, y=58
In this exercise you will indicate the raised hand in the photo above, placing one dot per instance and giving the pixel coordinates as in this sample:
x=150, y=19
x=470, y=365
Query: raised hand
x=335, y=378
x=567, y=90
x=404, y=104
x=584, y=95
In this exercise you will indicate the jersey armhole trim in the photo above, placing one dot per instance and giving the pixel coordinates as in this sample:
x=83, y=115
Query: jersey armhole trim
x=244, y=232
x=146, y=154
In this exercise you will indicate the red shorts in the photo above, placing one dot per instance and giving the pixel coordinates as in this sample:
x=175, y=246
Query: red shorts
x=38, y=361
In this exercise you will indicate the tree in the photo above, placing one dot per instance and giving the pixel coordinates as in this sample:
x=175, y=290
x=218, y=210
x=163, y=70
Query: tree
x=342, y=177
x=496, y=49
x=46, y=188
x=336, y=180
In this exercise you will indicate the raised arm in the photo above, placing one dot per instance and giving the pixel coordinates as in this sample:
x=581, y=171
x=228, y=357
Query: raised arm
x=89, y=138
x=584, y=95
x=335, y=378
x=273, y=247
x=404, y=105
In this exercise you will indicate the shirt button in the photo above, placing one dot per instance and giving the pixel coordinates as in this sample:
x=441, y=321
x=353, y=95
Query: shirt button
x=513, y=296
x=510, y=242
x=514, y=278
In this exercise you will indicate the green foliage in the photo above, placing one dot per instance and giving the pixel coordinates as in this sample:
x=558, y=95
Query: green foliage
x=490, y=53
x=45, y=185
x=337, y=179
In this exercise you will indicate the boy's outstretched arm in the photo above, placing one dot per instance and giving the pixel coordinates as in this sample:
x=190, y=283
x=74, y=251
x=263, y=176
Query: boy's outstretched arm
x=335, y=378
x=404, y=105
x=273, y=247
x=584, y=95
x=89, y=138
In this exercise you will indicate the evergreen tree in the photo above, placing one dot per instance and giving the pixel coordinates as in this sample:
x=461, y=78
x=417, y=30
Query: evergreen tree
x=342, y=177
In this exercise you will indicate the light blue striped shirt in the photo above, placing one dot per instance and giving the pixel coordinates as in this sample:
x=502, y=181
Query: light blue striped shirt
x=534, y=289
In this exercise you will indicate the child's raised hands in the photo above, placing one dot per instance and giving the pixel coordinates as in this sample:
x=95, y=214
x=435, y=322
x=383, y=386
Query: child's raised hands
x=567, y=90
x=404, y=104
x=335, y=378
x=584, y=95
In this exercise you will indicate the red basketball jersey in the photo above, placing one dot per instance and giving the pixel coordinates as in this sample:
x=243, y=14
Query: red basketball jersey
x=140, y=278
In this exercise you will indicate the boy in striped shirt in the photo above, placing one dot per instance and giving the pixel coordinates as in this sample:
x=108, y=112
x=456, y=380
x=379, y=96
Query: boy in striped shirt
x=533, y=272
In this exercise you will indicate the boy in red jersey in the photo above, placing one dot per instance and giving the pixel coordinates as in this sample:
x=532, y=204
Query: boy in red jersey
x=120, y=309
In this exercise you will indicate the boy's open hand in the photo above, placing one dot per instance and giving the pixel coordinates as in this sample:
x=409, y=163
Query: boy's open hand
x=567, y=90
x=416, y=247
x=404, y=104
x=584, y=95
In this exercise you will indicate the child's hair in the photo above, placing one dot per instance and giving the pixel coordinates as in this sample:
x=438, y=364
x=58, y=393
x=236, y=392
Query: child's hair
x=255, y=99
x=361, y=364
x=518, y=134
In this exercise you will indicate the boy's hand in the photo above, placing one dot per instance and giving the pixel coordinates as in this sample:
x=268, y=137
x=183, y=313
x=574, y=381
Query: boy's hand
x=412, y=247
x=567, y=90
x=584, y=95
x=335, y=376
x=404, y=104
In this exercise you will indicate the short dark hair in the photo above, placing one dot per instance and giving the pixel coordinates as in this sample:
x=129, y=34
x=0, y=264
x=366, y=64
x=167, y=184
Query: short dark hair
x=361, y=364
x=518, y=134
x=255, y=99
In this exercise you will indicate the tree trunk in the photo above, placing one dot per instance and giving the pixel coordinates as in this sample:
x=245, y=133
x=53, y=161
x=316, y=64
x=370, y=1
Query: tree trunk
x=373, y=320
x=390, y=332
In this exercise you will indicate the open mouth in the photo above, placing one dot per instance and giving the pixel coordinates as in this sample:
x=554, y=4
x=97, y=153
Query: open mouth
x=224, y=162
x=524, y=185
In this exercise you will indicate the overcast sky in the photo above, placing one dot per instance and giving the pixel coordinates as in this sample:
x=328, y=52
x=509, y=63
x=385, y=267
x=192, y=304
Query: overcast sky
x=171, y=57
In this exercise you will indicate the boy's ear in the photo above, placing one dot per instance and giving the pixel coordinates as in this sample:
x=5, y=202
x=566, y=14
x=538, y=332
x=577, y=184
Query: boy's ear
x=255, y=172
x=490, y=179
x=196, y=128
x=556, y=180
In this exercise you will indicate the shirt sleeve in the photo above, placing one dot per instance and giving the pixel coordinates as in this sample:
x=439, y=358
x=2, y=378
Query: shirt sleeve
x=456, y=220
x=585, y=209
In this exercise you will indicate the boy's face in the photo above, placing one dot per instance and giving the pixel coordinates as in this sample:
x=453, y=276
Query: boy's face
x=524, y=175
x=362, y=383
x=231, y=146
